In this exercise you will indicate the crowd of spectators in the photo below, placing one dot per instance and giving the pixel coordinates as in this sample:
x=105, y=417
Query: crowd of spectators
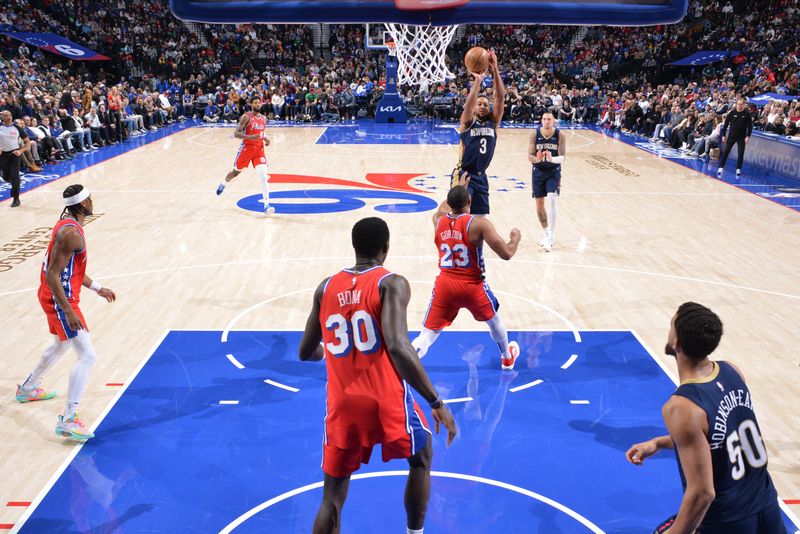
x=163, y=70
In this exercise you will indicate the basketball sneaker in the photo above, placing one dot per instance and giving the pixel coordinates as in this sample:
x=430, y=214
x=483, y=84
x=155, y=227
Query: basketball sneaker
x=719, y=171
x=507, y=364
x=73, y=428
x=220, y=189
x=35, y=394
x=269, y=210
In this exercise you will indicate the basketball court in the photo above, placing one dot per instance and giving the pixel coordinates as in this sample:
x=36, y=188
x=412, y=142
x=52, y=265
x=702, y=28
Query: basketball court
x=206, y=421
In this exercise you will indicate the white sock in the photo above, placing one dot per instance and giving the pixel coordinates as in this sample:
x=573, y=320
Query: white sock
x=79, y=375
x=264, y=179
x=49, y=357
x=424, y=340
x=551, y=214
x=412, y=531
x=499, y=334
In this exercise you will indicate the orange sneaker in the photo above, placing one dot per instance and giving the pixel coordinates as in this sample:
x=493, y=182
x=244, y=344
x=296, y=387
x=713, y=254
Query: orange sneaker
x=508, y=363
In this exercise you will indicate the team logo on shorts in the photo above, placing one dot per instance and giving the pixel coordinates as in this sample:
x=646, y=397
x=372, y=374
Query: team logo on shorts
x=263, y=159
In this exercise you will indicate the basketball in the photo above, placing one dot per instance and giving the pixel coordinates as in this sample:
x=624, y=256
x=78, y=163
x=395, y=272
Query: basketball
x=477, y=59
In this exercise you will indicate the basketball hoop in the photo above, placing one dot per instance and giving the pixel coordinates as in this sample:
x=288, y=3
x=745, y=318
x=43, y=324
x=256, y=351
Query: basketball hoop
x=421, y=52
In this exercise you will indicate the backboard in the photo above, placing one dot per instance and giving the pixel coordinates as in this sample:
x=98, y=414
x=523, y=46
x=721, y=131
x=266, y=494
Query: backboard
x=423, y=12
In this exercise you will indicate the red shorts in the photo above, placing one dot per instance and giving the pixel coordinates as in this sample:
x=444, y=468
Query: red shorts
x=398, y=439
x=249, y=154
x=450, y=294
x=57, y=320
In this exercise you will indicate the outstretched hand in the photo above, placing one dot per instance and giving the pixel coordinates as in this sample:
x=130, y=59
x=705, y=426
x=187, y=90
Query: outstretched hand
x=478, y=77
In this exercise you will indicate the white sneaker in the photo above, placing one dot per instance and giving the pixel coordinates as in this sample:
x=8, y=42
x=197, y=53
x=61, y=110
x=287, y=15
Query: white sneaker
x=544, y=241
x=719, y=171
x=548, y=244
x=269, y=210
x=507, y=364
x=738, y=172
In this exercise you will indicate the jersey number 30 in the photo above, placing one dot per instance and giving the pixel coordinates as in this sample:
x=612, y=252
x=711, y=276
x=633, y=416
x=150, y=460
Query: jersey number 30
x=746, y=444
x=360, y=332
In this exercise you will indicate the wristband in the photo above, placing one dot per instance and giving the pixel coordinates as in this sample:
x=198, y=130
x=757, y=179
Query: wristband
x=95, y=286
x=557, y=159
x=438, y=403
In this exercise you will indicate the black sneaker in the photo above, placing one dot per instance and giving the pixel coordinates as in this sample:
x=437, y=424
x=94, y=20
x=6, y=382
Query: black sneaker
x=15, y=204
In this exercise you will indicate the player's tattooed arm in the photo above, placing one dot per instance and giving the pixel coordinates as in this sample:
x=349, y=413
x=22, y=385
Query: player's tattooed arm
x=310, y=348
x=239, y=133
x=533, y=157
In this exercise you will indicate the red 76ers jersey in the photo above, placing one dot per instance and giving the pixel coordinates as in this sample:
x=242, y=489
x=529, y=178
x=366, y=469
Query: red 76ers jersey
x=367, y=400
x=255, y=126
x=458, y=256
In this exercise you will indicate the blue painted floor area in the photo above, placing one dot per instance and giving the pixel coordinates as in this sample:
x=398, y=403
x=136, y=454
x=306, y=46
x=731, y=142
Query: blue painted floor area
x=170, y=458
x=371, y=133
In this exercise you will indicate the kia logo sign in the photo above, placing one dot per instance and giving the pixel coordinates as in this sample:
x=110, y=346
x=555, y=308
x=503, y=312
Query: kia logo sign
x=390, y=109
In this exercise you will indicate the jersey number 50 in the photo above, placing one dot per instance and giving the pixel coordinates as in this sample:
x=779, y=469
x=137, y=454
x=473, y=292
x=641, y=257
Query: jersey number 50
x=746, y=444
x=360, y=332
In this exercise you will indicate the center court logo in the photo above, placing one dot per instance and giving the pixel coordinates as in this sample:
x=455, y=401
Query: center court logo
x=390, y=191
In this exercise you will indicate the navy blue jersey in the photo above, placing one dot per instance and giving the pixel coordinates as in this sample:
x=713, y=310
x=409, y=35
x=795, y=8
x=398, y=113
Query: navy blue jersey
x=742, y=484
x=547, y=144
x=477, y=146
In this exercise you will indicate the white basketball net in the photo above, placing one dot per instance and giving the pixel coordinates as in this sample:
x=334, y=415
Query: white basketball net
x=421, y=52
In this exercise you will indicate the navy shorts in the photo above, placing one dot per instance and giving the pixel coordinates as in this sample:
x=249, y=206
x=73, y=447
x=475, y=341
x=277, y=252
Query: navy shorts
x=546, y=182
x=478, y=190
x=769, y=521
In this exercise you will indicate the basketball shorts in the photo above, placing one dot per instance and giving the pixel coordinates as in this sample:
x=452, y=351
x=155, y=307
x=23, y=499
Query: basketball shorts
x=767, y=521
x=478, y=191
x=401, y=433
x=249, y=154
x=451, y=294
x=57, y=319
x=546, y=182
